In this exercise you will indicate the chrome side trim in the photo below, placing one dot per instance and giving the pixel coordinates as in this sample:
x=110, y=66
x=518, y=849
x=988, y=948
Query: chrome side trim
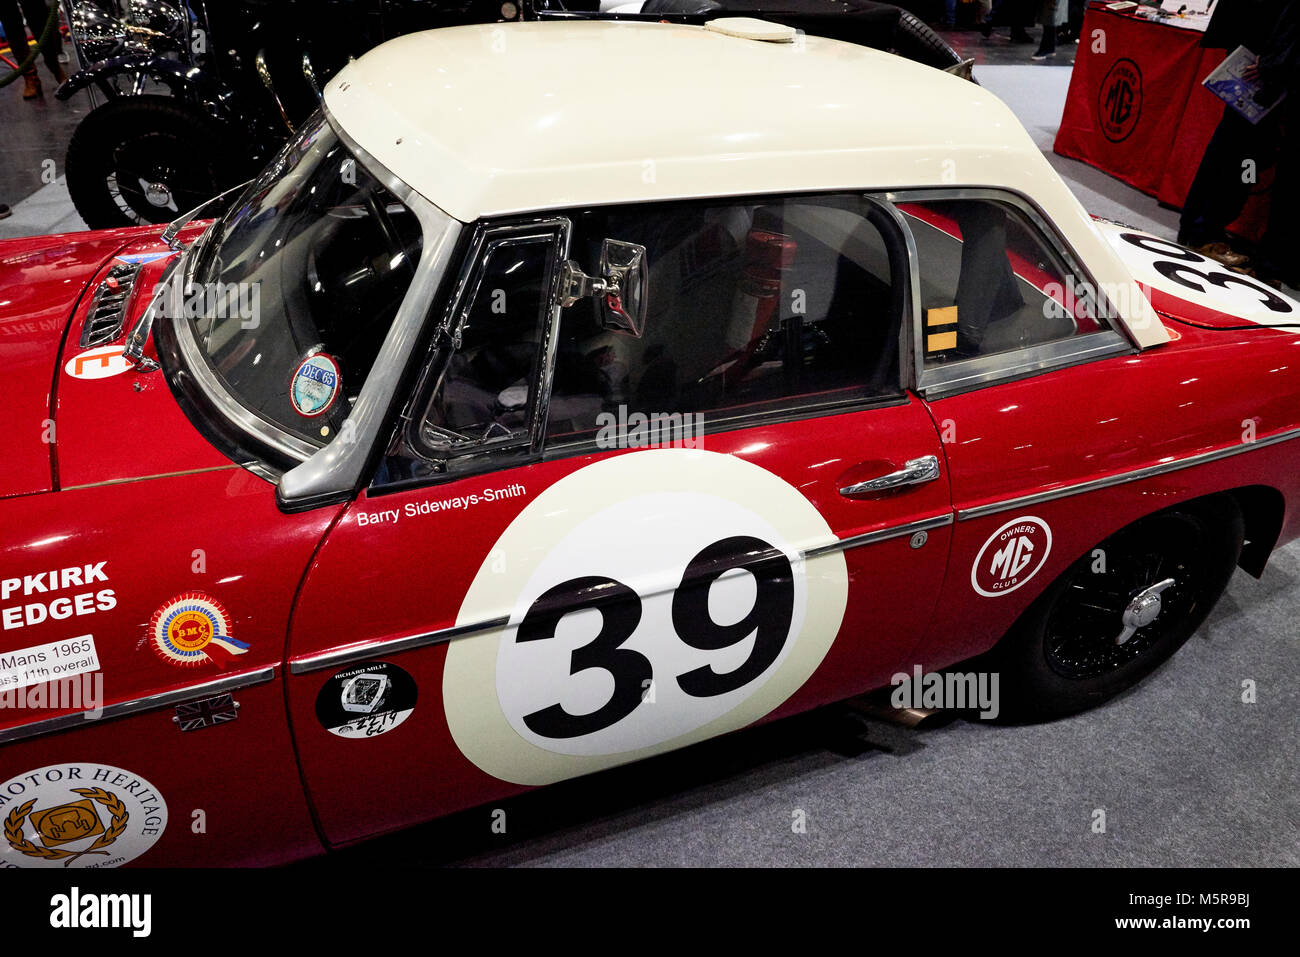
x=1030, y=360
x=347, y=656
x=880, y=535
x=136, y=705
x=1123, y=478
x=146, y=478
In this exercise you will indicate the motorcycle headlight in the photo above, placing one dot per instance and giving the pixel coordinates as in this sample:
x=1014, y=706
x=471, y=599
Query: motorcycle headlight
x=160, y=18
x=100, y=34
x=145, y=26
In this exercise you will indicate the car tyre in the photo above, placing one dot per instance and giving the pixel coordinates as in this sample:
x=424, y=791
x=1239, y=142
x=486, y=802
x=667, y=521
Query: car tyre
x=1062, y=656
x=131, y=141
x=916, y=41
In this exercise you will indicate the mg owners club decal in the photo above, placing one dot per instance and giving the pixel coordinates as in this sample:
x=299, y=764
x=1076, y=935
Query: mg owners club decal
x=79, y=814
x=1012, y=555
x=636, y=629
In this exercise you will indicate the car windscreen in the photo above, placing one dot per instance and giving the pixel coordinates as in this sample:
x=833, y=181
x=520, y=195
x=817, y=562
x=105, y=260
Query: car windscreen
x=300, y=285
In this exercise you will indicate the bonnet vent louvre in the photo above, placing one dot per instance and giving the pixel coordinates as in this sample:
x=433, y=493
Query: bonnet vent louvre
x=108, y=311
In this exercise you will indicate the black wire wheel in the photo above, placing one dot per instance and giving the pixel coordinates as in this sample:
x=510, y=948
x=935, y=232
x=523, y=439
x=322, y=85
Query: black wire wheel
x=146, y=159
x=1119, y=611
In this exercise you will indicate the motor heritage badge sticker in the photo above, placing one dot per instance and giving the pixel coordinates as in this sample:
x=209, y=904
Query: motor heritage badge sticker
x=193, y=628
x=315, y=385
x=79, y=815
x=366, y=701
x=1012, y=555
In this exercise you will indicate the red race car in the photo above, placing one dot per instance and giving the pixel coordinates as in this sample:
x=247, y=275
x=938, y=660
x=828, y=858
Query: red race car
x=505, y=430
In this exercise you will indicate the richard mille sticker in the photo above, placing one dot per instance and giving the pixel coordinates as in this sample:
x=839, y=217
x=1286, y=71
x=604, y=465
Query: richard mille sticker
x=315, y=385
x=1012, y=555
x=79, y=814
x=366, y=701
x=194, y=628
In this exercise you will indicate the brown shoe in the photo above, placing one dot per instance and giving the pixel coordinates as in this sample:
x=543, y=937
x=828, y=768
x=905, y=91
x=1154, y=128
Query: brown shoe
x=32, y=86
x=1222, y=252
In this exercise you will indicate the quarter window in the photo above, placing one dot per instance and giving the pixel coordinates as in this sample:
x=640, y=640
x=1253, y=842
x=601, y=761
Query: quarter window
x=990, y=282
x=488, y=388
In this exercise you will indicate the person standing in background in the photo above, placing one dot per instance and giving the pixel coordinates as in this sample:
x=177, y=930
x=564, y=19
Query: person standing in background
x=1051, y=14
x=1221, y=187
x=37, y=13
x=1018, y=14
x=1278, y=74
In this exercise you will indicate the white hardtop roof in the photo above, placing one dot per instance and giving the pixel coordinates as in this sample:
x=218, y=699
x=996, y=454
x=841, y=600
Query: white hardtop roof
x=507, y=118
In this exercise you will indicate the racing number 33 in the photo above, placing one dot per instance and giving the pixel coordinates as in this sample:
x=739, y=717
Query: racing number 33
x=769, y=620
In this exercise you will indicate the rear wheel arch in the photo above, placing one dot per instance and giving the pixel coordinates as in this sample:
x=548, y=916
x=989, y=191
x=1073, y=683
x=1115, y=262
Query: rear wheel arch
x=1263, y=509
x=1038, y=689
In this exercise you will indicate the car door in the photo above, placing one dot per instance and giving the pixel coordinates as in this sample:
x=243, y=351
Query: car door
x=598, y=536
x=1039, y=400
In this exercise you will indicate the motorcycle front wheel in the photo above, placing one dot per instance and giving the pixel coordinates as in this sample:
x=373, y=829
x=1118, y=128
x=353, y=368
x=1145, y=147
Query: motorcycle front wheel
x=147, y=159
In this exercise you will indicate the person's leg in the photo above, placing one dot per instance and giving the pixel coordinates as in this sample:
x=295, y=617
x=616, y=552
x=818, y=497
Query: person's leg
x=1219, y=189
x=1278, y=258
x=16, y=35
x=1020, y=16
x=11, y=19
x=1047, y=17
x=37, y=13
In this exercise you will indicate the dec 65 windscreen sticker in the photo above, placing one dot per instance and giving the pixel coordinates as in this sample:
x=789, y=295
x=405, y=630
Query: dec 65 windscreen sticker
x=653, y=599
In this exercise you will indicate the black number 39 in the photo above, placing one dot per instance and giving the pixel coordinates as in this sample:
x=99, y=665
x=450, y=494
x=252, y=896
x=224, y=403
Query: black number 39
x=1178, y=268
x=620, y=607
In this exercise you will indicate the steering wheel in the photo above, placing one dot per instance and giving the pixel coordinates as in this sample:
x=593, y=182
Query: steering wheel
x=395, y=244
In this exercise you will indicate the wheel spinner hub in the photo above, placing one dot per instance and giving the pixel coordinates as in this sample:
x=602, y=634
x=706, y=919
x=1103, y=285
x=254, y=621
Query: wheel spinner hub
x=157, y=193
x=1143, y=608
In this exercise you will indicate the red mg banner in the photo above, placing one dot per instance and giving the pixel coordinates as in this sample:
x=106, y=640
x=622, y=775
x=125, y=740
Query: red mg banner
x=1125, y=105
x=1139, y=112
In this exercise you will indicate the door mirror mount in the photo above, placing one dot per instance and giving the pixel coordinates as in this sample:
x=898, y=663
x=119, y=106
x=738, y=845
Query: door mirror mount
x=620, y=288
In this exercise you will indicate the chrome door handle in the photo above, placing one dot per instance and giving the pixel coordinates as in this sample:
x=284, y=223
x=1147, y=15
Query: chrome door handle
x=913, y=472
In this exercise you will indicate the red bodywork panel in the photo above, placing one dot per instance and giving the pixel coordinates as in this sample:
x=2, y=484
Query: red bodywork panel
x=42, y=281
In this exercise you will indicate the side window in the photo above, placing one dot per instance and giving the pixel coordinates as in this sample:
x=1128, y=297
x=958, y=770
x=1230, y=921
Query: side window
x=752, y=308
x=487, y=389
x=990, y=281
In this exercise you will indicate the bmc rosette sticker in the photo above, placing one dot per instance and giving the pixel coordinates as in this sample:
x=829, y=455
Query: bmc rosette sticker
x=79, y=814
x=315, y=385
x=193, y=628
x=1012, y=555
x=366, y=701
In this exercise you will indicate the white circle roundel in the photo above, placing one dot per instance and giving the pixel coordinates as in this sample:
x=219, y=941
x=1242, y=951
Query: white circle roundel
x=653, y=599
x=98, y=363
